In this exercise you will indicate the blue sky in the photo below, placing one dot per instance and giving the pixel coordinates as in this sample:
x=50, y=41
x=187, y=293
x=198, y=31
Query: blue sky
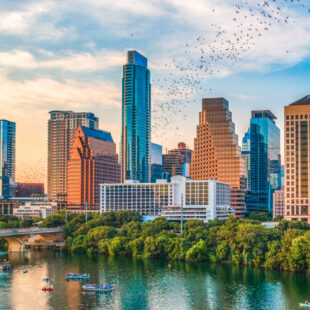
x=69, y=55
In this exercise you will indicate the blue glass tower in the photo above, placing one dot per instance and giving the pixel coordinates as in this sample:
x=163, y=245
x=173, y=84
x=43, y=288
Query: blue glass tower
x=265, y=161
x=7, y=159
x=156, y=162
x=136, y=119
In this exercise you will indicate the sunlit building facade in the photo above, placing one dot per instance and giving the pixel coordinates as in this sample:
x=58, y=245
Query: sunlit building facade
x=61, y=131
x=7, y=159
x=278, y=203
x=136, y=119
x=93, y=161
x=217, y=154
x=297, y=150
x=265, y=161
x=204, y=199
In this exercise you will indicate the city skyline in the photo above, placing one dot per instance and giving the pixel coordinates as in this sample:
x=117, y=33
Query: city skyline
x=50, y=63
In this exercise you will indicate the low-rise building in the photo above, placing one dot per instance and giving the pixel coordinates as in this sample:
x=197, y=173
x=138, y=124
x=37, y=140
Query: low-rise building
x=35, y=209
x=7, y=207
x=181, y=198
x=278, y=203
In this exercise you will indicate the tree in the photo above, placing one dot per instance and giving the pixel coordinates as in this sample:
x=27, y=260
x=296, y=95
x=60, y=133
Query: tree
x=131, y=230
x=198, y=252
x=102, y=232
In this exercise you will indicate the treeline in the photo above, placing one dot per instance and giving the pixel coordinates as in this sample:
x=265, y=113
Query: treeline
x=237, y=241
x=10, y=221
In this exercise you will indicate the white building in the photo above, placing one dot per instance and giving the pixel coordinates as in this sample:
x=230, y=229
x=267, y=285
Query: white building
x=35, y=209
x=204, y=200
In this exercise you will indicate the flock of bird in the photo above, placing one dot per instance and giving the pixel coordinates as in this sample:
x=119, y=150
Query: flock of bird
x=186, y=76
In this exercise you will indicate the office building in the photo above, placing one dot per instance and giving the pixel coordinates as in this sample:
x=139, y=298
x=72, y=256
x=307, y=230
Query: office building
x=93, y=161
x=156, y=162
x=61, y=131
x=278, y=203
x=296, y=150
x=35, y=209
x=7, y=159
x=246, y=155
x=182, y=149
x=173, y=164
x=203, y=199
x=265, y=161
x=136, y=119
x=29, y=189
x=217, y=154
x=7, y=206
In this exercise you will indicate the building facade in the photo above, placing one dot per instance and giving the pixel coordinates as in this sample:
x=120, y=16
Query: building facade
x=29, y=189
x=278, y=203
x=297, y=150
x=136, y=119
x=7, y=159
x=7, y=206
x=204, y=199
x=35, y=209
x=246, y=155
x=93, y=161
x=217, y=154
x=156, y=162
x=265, y=161
x=61, y=131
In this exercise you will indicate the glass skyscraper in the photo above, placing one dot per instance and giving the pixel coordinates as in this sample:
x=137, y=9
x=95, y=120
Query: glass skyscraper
x=7, y=159
x=265, y=162
x=136, y=119
x=156, y=162
x=246, y=155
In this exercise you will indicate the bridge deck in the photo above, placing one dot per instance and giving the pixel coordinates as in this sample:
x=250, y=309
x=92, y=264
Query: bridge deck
x=28, y=231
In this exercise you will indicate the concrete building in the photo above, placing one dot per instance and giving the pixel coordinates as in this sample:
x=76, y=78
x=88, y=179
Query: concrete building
x=217, y=154
x=278, y=203
x=93, y=161
x=297, y=152
x=35, y=209
x=61, y=131
x=7, y=159
x=136, y=119
x=7, y=206
x=203, y=199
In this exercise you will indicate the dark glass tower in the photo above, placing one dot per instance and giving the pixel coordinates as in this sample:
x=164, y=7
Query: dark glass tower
x=136, y=119
x=265, y=162
x=7, y=159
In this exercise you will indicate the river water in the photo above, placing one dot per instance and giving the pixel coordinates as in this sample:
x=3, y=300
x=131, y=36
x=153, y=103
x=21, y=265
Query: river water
x=146, y=284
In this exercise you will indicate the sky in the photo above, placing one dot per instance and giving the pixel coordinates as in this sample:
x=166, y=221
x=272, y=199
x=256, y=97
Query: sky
x=68, y=55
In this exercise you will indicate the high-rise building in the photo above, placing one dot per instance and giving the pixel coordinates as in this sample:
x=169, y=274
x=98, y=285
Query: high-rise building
x=246, y=155
x=278, y=203
x=296, y=150
x=182, y=149
x=136, y=119
x=156, y=162
x=7, y=159
x=217, y=154
x=29, y=189
x=265, y=161
x=93, y=161
x=173, y=164
x=61, y=131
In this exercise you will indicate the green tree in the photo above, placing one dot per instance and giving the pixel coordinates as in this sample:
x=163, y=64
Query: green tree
x=198, y=252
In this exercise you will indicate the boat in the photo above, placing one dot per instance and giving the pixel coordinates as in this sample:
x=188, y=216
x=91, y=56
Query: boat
x=49, y=287
x=98, y=287
x=5, y=267
x=304, y=305
x=25, y=271
x=76, y=276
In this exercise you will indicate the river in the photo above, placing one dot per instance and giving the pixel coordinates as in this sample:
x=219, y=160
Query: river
x=146, y=284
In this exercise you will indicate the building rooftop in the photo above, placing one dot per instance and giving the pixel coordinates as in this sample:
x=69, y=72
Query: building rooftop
x=302, y=101
x=263, y=114
x=133, y=57
x=97, y=134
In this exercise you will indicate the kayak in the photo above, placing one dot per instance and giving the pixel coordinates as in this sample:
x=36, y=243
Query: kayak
x=49, y=289
x=307, y=305
x=72, y=276
x=98, y=288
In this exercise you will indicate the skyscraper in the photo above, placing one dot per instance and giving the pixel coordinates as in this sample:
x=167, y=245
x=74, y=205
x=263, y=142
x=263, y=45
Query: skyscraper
x=296, y=148
x=136, y=119
x=246, y=155
x=61, y=131
x=265, y=161
x=93, y=161
x=216, y=151
x=7, y=159
x=156, y=162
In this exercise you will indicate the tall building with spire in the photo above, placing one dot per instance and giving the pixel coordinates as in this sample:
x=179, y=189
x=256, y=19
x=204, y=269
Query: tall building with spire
x=297, y=152
x=217, y=154
x=61, y=131
x=7, y=159
x=136, y=119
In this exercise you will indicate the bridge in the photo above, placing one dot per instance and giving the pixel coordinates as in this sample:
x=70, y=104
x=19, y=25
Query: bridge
x=19, y=238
